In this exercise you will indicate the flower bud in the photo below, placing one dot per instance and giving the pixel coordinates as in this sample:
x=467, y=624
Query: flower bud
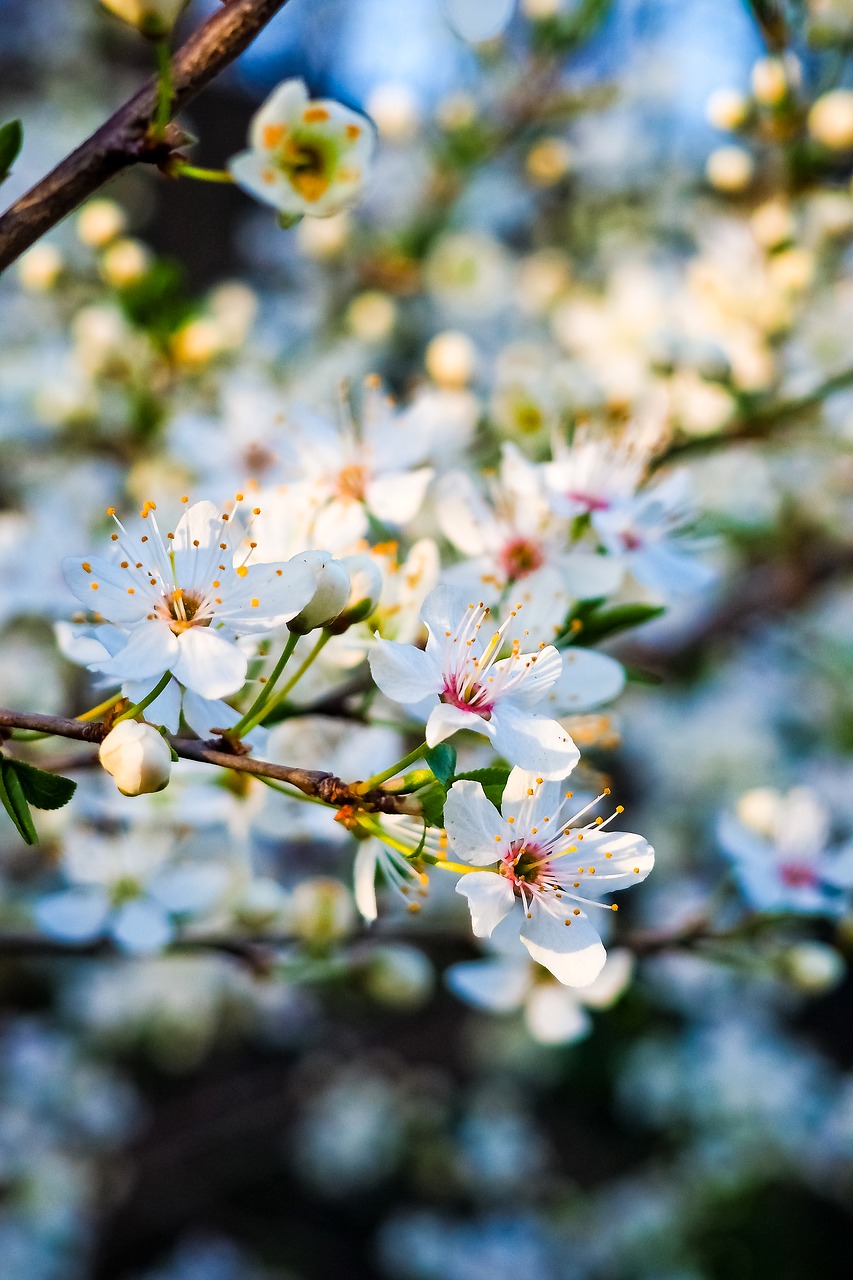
x=770, y=81
x=124, y=263
x=99, y=222
x=814, y=967
x=331, y=592
x=730, y=169
x=727, y=109
x=450, y=359
x=154, y=18
x=365, y=589
x=321, y=911
x=831, y=120
x=137, y=756
x=39, y=268
x=400, y=976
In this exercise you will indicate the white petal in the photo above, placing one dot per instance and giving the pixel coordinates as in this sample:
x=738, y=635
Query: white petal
x=264, y=596
x=251, y=171
x=443, y=610
x=528, y=801
x=499, y=985
x=587, y=680
x=195, y=565
x=542, y=671
x=151, y=650
x=284, y=106
x=476, y=831
x=573, y=953
x=587, y=575
x=104, y=588
x=75, y=915
x=554, y=1016
x=403, y=672
x=477, y=20
x=631, y=860
x=606, y=989
x=445, y=720
x=490, y=898
x=209, y=664
x=365, y=879
x=533, y=742
x=141, y=925
x=397, y=498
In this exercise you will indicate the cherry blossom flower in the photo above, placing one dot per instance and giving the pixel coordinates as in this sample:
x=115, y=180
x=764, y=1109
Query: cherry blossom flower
x=460, y=682
x=515, y=541
x=183, y=601
x=521, y=849
x=597, y=469
x=389, y=856
x=554, y=1014
x=782, y=855
x=306, y=157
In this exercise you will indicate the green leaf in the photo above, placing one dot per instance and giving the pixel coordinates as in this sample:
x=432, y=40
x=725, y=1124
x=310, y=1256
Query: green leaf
x=607, y=622
x=11, y=141
x=442, y=761
x=432, y=805
x=42, y=789
x=493, y=781
x=15, y=802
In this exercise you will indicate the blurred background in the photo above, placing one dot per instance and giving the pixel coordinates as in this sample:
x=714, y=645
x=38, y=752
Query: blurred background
x=547, y=203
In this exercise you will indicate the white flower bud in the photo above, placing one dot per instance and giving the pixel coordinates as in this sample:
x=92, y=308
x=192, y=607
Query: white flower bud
x=772, y=224
x=727, y=109
x=549, y=161
x=331, y=592
x=99, y=222
x=450, y=359
x=124, y=263
x=321, y=910
x=372, y=315
x=365, y=589
x=39, y=268
x=137, y=756
x=770, y=82
x=831, y=120
x=154, y=18
x=400, y=976
x=814, y=967
x=729, y=169
x=394, y=109
x=757, y=810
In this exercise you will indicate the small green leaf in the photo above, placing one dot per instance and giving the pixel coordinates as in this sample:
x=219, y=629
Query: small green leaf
x=432, y=805
x=493, y=781
x=442, y=761
x=606, y=622
x=11, y=141
x=288, y=220
x=42, y=789
x=15, y=802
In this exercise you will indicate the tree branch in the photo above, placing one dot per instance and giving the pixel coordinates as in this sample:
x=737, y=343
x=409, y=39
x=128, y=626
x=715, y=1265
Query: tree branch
x=311, y=782
x=126, y=138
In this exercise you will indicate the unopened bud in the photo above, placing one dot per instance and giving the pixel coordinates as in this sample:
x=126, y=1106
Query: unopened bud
x=814, y=967
x=365, y=589
x=450, y=359
x=331, y=592
x=727, y=109
x=124, y=263
x=39, y=268
x=138, y=758
x=99, y=222
x=154, y=18
x=770, y=81
x=831, y=120
x=400, y=976
x=321, y=911
x=730, y=169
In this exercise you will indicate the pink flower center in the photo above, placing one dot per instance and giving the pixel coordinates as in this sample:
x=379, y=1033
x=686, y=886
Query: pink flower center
x=520, y=557
x=591, y=501
x=474, y=698
x=797, y=875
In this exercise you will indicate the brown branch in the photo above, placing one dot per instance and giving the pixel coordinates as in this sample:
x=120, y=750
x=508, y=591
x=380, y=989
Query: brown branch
x=311, y=782
x=127, y=137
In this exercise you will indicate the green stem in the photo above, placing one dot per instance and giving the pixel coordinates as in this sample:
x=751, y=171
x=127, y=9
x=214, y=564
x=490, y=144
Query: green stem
x=94, y=712
x=324, y=638
x=165, y=88
x=378, y=778
x=182, y=170
x=133, y=712
x=265, y=693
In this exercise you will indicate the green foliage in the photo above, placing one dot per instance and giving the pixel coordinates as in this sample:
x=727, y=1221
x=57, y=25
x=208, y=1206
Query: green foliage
x=442, y=761
x=590, y=623
x=157, y=301
x=493, y=781
x=22, y=784
x=11, y=141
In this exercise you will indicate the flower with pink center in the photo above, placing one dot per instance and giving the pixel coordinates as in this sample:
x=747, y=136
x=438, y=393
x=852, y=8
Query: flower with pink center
x=598, y=469
x=536, y=860
x=782, y=854
x=461, y=682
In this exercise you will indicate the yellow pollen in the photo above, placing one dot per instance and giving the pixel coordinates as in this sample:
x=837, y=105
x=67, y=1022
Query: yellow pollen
x=530, y=791
x=216, y=582
x=111, y=511
x=223, y=546
x=256, y=511
x=113, y=537
x=577, y=911
x=196, y=542
x=313, y=115
x=242, y=571
x=218, y=600
x=238, y=497
x=185, y=498
x=131, y=591
x=539, y=781
x=608, y=855
x=614, y=906
x=124, y=565
x=255, y=604
x=94, y=586
x=636, y=871
x=592, y=871
x=510, y=820
x=567, y=922
x=353, y=132
x=576, y=884
x=144, y=539
x=278, y=573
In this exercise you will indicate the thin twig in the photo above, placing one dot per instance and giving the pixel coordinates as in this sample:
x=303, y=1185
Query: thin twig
x=128, y=137
x=312, y=782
